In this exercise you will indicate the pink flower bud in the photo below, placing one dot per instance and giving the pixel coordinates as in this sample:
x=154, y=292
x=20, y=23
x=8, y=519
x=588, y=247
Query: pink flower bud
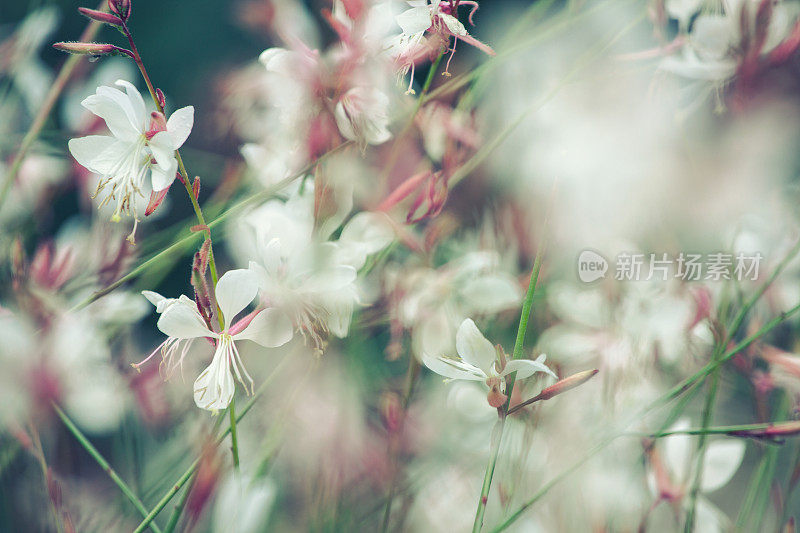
x=196, y=187
x=90, y=49
x=100, y=16
x=121, y=8
x=774, y=431
x=567, y=383
x=161, y=100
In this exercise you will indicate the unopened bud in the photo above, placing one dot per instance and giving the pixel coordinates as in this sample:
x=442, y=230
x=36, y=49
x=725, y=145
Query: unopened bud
x=89, y=49
x=196, y=187
x=161, y=100
x=774, y=431
x=100, y=16
x=121, y=8
x=566, y=384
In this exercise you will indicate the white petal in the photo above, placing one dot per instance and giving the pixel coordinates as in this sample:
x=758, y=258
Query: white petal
x=135, y=101
x=453, y=369
x=490, y=294
x=214, y=387
x=276, y=60
x=98, y=153
x=415, y=20
x=183, y=322
x=117, y=110
x=235, y=290
x=434, y=335
x=709, y=518
x=161, y=179
x=453, y=24
x=525, y=368
x=330, y=279
x=368, y=233
x=678, y=450
x=473, y=347
x=721, y=462
x=269, y=328
x=153, y=297
x=163, y=149
x=180, y=125
x=340, y=315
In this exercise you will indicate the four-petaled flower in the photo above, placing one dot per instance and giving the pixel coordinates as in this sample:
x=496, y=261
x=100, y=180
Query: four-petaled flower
x=139, y=142
x=270, y=328
x=438, y=19
x=478, y=361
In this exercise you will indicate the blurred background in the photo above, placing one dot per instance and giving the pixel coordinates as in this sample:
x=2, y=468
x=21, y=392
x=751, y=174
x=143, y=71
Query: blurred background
x=616, y=127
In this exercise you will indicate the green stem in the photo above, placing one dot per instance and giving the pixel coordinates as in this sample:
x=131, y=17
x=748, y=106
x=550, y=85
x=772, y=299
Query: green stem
x=715, y=430
x=494, y=451
x=234, y=437
x=176, y=513
x=89, y=447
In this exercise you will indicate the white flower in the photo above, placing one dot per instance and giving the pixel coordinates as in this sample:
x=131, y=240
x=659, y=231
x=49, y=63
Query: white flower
x=310, y=278
x=478, y=361
x=411, y=46
x=362, y=115
x=215, y=386
x=670, y=479
x=124, y=158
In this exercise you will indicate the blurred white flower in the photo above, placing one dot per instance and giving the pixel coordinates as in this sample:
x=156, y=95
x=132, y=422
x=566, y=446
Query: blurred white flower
x=124, y=158
x=436, y=301
x=243, y=504
x=478, y=361
x=670, y=478
x=310, y=278
x=214, y=388
x=362, y=115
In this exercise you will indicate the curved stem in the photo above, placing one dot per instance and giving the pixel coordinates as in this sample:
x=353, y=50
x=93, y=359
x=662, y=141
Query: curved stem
x=137, y=58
